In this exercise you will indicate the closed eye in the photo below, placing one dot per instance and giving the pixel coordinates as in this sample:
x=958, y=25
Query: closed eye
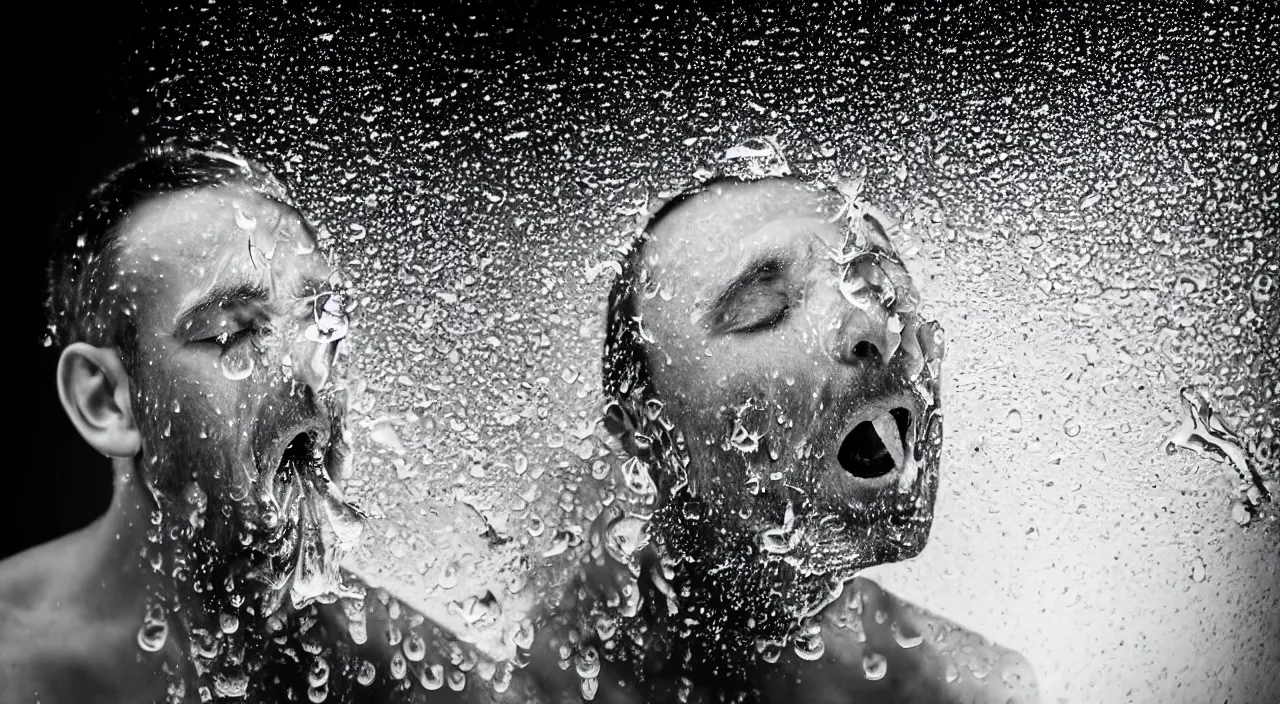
x=231, y=336
x=757, y=299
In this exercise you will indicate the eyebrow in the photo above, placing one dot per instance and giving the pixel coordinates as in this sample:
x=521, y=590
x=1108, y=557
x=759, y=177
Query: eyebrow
x=237, y=295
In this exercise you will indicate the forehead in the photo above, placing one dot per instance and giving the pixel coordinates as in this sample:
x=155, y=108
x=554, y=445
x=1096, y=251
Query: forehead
x=200, y=221
x=719, y=226
x=186, y=242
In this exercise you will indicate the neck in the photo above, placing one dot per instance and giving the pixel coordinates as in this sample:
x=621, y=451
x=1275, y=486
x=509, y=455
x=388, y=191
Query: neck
x=733, y=607
x=109, y=574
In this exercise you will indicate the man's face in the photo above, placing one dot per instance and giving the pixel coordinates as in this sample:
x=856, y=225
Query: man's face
x=239, y=317
x=785, y=347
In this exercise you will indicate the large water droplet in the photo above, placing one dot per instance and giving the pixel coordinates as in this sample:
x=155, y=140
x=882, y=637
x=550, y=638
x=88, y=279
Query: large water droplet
x=415, y=649
x=431, y=677
x=904, y=639
x=230, y=683
x=236, y=363
x=874, y=666
x=449, y=575
x=1014, y=421
x=587, y=662
x=228, y=623
x=154, y=630
x=398, y=665
x=952, y=672
x=245, y=221
x=366, y=673
x=809, y=646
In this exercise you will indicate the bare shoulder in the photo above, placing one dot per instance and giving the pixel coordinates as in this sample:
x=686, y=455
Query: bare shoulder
x=878, y=646
x=46, y=653
x=24, y=623
x=973, y=667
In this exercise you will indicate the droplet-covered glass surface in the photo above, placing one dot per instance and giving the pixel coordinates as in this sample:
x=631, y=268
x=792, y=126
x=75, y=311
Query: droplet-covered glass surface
x=1084, y=197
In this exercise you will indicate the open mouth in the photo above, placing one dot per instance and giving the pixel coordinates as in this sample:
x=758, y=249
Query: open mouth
x=300, y=459
x=311, y=456
x=302, y=462
x=877, y=446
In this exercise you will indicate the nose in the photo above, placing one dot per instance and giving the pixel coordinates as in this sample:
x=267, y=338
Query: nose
x=875, y=322
x=867, y=333
x=313, y=362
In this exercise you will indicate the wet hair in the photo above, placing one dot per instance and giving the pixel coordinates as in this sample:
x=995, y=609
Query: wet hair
x=84, y=301
x=625, y=362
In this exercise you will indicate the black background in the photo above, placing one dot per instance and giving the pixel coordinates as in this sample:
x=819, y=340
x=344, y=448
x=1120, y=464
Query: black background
x=68, y=125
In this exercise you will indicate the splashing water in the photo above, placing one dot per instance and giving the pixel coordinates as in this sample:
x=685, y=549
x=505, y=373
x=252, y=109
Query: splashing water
x=1206, y=433
x=330, y=528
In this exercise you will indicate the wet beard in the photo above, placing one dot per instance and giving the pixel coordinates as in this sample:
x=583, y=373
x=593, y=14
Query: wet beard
x=731, y=600
x=232, y=602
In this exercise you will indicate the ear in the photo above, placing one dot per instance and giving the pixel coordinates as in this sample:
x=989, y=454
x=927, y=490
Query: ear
x=94, y=390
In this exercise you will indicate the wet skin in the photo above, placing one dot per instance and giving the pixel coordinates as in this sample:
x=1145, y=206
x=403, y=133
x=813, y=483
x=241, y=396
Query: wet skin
x=228, y=449
x=779, y=345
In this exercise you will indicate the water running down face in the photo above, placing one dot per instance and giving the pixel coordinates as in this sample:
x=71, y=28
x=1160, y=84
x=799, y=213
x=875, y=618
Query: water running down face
x=784, y=347
x=239, y=318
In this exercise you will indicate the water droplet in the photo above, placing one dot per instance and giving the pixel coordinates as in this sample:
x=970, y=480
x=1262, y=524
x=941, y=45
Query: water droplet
x=318, y=694
x=770, y=650
x=874, y=666
x=952, y=672
x=318, y=674
x=432, y=677
x=589, y=687
x=809, y=646
x=236, y=363
x=230, y=683
x=906, y=640
x=367, y=673
x=457, y=680
x=382, y=433
x=1240, y=513
x=154, y=630
x=229, y=623
x=1198, y=573
x=245, y=221
x=415, y=649
x=449, y=575
x=1014, y=421
x=1071, y=428
x=587, y=662
x=398, y=665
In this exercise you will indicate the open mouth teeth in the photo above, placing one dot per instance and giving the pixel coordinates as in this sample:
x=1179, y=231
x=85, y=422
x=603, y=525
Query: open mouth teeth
x=877, y=446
